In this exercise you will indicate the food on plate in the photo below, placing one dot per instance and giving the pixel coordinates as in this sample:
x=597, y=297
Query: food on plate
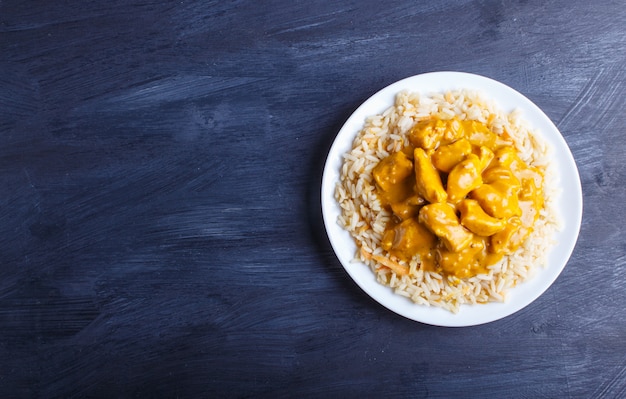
x=482, y=195
x=449, y=199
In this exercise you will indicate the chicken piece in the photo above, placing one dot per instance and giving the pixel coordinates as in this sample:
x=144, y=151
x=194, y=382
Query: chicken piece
x=427, y=134
x=465, y=263
x=427, y=179
x=463, y=178
x=501, y=174
x=526, y=180
x=447, y=156
x=507, y=241
x=486, y=156
x=479, y=134
x=408, y=208
x=477, y=221
x=453, y=132
x=497, y=199
x=530, y=201
x=442, y=221
x=408, y=239
x=529, y=191
x=392, y=170
x=507, y=157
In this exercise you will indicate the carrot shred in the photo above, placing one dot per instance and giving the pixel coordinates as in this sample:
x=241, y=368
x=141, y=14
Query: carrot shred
x=400, y=270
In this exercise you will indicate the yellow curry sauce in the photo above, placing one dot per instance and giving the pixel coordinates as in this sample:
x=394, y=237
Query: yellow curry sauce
x=460, y=195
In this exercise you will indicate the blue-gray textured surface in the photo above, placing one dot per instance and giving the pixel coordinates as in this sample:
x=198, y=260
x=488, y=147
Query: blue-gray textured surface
x=160, y=226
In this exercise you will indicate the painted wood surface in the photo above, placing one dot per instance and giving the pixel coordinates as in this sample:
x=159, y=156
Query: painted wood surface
x=161, y=233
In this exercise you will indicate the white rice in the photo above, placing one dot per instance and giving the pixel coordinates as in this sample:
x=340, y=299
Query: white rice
x=365, y=218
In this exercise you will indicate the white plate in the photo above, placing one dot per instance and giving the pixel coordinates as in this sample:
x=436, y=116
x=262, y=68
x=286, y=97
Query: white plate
x=569, y=202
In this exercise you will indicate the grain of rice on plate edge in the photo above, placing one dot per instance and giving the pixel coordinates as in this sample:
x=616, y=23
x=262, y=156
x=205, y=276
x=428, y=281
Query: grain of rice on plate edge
x=365, y=219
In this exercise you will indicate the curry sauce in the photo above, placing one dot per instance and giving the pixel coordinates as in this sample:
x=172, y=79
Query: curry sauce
x=460, y=195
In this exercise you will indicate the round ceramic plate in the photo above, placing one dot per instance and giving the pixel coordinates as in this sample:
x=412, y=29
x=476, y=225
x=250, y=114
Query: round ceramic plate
x=569, y=202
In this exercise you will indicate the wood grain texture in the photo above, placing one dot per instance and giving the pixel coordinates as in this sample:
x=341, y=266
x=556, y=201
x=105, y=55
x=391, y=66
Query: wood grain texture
x=160, y=167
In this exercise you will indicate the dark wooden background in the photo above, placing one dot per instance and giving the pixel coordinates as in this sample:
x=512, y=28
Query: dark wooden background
x=161, y=232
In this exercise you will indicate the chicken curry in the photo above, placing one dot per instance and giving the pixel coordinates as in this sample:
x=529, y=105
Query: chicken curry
x=460, y=195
